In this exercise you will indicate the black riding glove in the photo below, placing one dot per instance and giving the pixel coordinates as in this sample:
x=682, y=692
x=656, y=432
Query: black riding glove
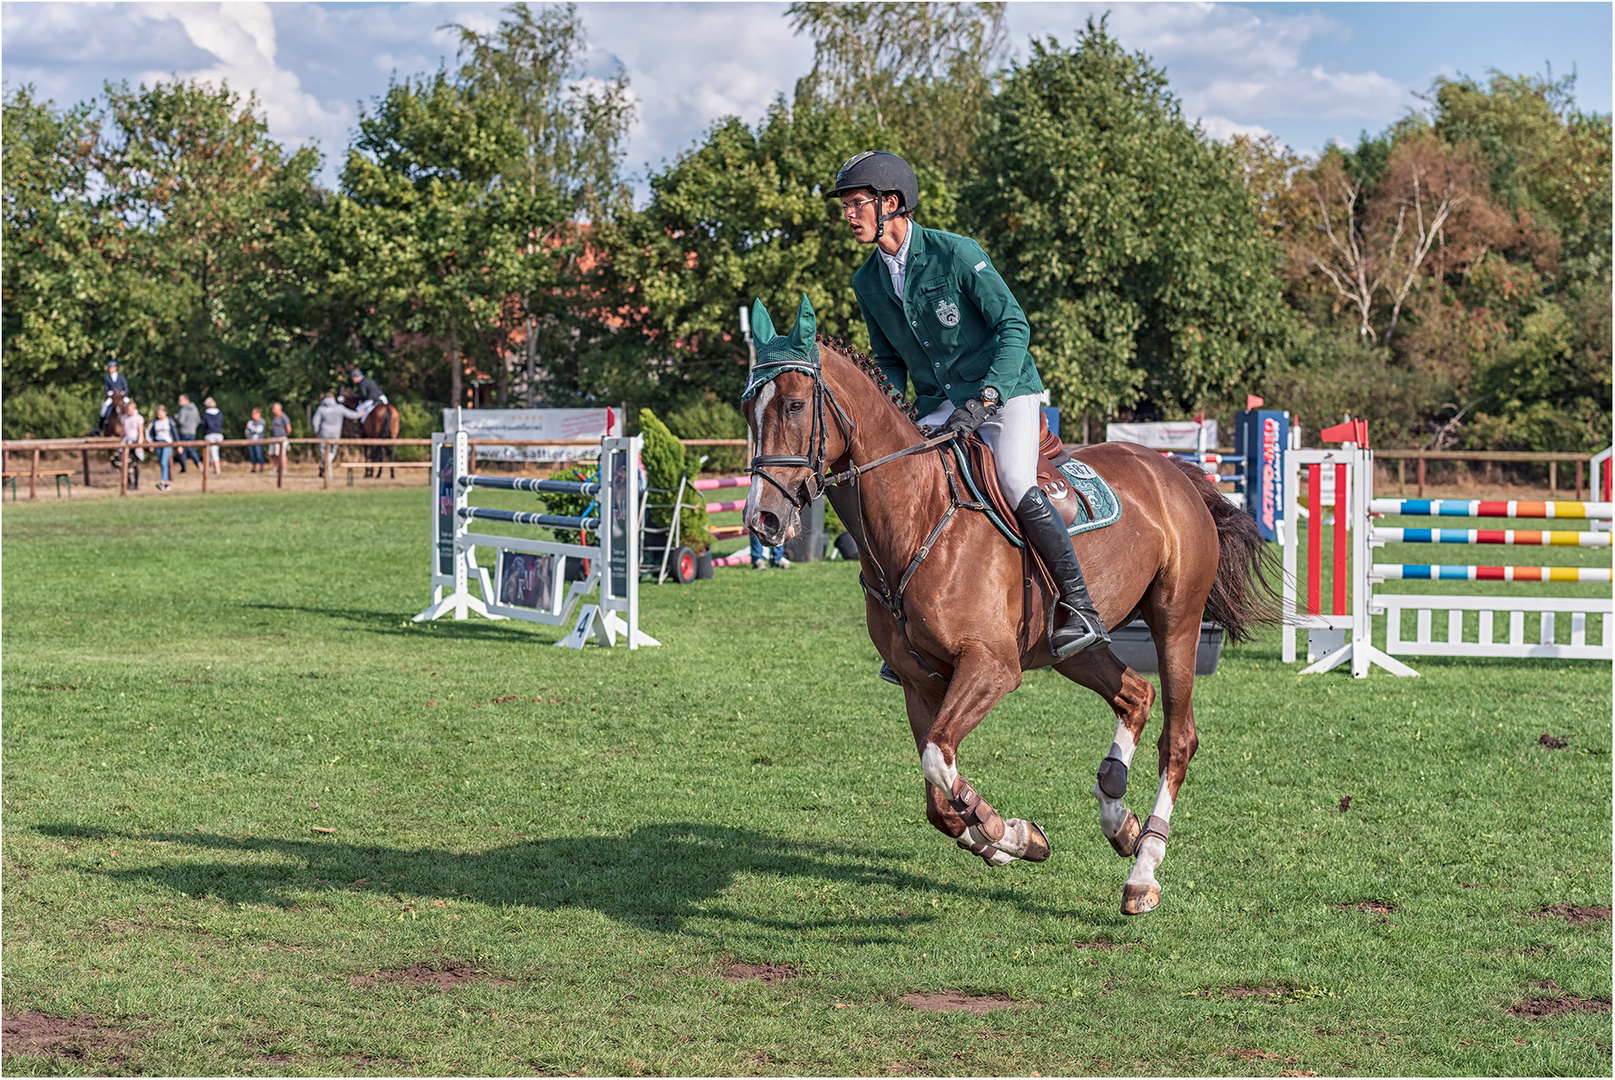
x=970, y=416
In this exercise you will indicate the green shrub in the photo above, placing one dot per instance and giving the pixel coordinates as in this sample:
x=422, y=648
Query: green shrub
x=665, y=466
x=570, y=505
x=416, y=421
x=48, y=414
x=711, y=418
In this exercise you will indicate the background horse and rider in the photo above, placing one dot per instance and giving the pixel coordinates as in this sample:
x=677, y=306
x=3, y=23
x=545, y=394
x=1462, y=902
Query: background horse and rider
x=959, y=611
x=382, y=422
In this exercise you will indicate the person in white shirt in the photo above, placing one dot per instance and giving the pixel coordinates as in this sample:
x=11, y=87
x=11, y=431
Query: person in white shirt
x=134, y=426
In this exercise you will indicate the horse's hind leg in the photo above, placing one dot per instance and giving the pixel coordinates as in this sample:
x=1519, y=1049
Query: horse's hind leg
x=1177, y=744
x=1130, y=696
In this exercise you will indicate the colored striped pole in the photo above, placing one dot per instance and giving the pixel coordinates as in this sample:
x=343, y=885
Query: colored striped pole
x=1601, y=511
x=524, y=517
x=714, y=483
x=1518, y=537
x=720, y=507
x=1342, y=502
x=1410, y=572
x=590, y=488
x=1314, y=541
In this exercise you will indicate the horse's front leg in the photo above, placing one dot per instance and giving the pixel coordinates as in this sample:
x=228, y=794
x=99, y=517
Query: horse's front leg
x=981, y=678
x=1130, y=696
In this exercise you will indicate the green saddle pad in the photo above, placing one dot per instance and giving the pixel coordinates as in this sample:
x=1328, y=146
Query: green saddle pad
x=1107, y=509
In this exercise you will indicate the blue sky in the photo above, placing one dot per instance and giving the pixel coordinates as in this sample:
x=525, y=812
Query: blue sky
x=1304, y=72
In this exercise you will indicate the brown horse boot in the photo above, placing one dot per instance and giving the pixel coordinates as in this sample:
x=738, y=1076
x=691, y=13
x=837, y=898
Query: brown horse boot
x=1082, y=628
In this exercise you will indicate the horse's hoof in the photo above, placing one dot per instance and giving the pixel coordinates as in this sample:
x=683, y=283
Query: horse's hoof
x=1140, y=899
x=1126, y=839
x=1037, y=843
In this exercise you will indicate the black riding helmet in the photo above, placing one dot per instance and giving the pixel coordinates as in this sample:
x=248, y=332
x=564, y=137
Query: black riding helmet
x=884, y=174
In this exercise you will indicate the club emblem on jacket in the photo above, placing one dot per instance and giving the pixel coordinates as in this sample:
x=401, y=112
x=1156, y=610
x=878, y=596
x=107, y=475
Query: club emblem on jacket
x=947, y=313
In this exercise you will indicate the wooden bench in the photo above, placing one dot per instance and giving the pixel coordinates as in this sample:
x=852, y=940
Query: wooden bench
x=59, y=474
x=351, y=465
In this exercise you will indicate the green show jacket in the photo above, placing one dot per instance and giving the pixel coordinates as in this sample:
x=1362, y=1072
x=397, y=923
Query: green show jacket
x=958, y=327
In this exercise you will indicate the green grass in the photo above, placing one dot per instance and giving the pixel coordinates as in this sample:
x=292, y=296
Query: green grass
x=185, y=680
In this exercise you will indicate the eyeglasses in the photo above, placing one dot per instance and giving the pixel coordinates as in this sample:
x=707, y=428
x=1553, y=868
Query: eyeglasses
x=856, y=206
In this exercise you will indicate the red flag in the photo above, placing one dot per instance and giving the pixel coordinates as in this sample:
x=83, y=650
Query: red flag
x=1252, y=402
x=1352, y=431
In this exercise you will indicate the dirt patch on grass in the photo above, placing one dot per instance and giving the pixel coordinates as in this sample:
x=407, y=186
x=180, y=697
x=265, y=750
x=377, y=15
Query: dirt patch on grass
x=1539, y=1005
x=1253, y=991
x=445, y=976
x=948, y=1001
x=767, y=974
x=1372, y=907
x=1573, y=914
x=58, y=1036
x=1552, y=742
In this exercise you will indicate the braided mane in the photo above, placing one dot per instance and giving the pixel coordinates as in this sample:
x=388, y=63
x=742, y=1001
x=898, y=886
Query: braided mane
x=867, y=365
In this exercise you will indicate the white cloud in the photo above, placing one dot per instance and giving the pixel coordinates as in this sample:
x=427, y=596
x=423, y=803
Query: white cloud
x=1222, y=129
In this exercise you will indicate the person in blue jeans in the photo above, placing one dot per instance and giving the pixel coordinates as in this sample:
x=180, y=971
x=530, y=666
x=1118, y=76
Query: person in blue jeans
x=255, y=430
x=762, y=558
x=163, y=430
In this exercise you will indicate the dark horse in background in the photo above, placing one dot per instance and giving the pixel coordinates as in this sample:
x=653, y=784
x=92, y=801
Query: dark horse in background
x=958, y=611
x=112, y=428
x=382, y=423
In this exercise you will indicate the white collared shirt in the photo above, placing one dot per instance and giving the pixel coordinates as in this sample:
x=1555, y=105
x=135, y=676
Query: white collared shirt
x=897, y=265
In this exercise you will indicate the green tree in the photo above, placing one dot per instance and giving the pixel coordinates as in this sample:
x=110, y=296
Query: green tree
x=745, y=215
x=55, y=271
x=200, y=194
x=918, y=74
x=1128, y=236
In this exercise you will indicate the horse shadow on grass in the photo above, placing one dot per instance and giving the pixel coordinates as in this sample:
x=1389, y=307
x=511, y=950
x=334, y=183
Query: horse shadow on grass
x=402, y=624
x=656, y=877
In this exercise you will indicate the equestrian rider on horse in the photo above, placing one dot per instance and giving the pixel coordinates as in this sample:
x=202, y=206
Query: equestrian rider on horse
x=940, y=315
x=368, y=393
x=112, y=382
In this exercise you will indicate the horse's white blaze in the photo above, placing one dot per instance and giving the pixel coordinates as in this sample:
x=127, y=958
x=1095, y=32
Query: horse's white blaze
x=1153, y=849
x=755, y=492
x=1113, y=812
x=938, y=772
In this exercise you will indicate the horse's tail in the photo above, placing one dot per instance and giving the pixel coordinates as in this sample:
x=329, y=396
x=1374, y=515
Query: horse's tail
x=1243, y=596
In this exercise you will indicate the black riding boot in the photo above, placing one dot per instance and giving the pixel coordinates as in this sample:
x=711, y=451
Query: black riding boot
x=1082, y=628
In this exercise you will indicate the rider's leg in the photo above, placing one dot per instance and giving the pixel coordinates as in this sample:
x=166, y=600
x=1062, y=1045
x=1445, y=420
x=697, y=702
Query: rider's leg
x=1013, y=434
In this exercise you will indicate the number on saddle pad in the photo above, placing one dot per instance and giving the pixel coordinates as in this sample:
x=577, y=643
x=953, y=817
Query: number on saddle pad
x=1096, y=495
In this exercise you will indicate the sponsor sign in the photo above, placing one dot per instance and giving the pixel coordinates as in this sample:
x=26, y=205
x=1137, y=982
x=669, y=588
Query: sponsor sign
x=562, y=425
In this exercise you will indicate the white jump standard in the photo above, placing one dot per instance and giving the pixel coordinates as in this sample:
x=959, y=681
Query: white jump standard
x=530, y=580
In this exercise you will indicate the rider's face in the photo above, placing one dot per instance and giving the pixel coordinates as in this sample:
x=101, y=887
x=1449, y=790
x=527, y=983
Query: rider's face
x=859, y=209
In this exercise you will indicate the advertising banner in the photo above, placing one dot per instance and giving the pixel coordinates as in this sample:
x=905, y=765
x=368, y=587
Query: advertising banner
x=1168, y=435
x=563, y=425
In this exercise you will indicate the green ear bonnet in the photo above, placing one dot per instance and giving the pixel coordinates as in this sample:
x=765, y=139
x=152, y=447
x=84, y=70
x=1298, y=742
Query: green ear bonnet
x=779, y=353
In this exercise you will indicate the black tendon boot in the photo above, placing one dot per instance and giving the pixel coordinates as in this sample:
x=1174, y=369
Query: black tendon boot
x=1044, y=529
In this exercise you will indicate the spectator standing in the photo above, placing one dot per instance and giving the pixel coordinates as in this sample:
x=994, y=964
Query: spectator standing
x=280, y=429
x=187, y=420
x=762, y=557
x=134, y=426
x=255, y=430
x=328, y=425
x=163, y=430
x=212, y=430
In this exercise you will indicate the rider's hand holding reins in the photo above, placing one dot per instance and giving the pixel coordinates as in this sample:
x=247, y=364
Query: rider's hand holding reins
x=970, y=416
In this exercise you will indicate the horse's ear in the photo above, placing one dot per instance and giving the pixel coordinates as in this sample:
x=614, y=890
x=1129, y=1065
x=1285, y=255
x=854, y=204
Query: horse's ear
x=762, y=327
x=806, y=326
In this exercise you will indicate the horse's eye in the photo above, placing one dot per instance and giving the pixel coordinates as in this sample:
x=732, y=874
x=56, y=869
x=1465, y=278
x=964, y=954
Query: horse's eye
x=796, y=407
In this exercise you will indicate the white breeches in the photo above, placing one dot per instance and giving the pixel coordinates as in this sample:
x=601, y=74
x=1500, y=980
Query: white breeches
x=1013, y=434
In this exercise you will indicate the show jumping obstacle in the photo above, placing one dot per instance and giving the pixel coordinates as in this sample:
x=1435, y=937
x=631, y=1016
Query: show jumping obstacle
x=1344, y=634
x=531, y=574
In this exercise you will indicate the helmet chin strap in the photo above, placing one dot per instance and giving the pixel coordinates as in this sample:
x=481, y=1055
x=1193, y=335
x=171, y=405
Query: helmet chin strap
x=881, y=215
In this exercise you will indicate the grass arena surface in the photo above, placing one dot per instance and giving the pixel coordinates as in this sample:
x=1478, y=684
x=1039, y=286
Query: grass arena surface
x=256, y=821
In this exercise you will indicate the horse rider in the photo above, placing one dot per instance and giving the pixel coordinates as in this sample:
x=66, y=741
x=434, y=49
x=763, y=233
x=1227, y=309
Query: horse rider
x=112, y=382
x=368, y=393
x=940, y=315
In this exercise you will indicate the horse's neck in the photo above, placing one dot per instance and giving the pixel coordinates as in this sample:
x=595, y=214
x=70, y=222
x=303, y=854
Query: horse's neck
x=893, y=498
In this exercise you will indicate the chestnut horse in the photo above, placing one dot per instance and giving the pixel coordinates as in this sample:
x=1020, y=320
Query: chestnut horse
x=382, y=423
x=951, y=604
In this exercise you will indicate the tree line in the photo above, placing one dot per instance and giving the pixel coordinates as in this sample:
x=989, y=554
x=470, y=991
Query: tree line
x=1448, y=277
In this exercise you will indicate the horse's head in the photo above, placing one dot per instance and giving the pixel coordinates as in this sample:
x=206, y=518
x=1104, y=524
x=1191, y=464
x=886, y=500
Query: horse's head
x=795, y=424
